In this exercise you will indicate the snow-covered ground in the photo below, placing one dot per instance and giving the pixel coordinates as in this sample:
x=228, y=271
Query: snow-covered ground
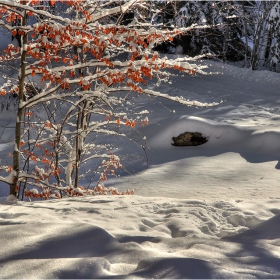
x=210, y=211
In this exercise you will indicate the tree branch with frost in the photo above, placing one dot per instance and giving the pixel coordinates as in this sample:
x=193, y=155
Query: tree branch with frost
x=180, y=100
x=14, y=7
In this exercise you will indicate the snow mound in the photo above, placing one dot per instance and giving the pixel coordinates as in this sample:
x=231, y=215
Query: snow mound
x=236, y=138
x=139, y=237
x=11, y=198
x=269, y=229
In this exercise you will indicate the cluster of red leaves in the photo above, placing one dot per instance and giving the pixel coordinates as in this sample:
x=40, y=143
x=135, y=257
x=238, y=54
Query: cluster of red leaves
x=41, y=174
x=98, y=190
x=43, y=195
x=135, y=76
x=14, y=90
x=38, y=2
x=12, y=17
x=3, y=10
x=110, y=166
x=17, y=32
x=46, y=156
x=10, y=51
x=146, y=71
x=112, y=78
x=48, y=124
x=33, y=157
x=102, y=190
x=85, y=85
x=3, y=92
x=46, y=50
x=131, y=123
x=29, y=114
x=144, y=122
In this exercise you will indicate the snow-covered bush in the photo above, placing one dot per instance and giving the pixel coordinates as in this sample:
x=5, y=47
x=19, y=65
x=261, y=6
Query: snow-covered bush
x=80, y=65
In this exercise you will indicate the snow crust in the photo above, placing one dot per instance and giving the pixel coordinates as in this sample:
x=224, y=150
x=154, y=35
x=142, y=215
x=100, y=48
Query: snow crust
x=210, y=211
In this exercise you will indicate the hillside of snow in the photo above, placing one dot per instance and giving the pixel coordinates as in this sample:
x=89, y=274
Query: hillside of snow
x=210, y=211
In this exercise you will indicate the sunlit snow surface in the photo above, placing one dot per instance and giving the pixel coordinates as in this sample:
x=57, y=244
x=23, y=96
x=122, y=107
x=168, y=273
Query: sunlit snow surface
x=210, y=211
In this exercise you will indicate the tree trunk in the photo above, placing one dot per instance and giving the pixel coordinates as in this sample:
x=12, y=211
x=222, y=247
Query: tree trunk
x=256, y=55
x=16, y=153
x=256, y=43
x=225, y=45
x=264, y=44
x=245, y=24
x=226, y=37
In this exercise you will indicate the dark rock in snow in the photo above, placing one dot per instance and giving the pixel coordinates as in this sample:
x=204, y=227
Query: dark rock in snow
x=189, y=139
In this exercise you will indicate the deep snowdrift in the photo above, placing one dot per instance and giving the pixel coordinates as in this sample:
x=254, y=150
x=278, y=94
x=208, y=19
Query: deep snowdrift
x=119, y=237
x=210, y=211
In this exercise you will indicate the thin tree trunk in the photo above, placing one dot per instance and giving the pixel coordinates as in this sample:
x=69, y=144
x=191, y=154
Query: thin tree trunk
x=255, y=56
x=225, y=47
x=78, y=150
x=256, y=43
x=226, y=38
x=264, y=44
x=79, y=128
x=245, y=24
x=16, y=153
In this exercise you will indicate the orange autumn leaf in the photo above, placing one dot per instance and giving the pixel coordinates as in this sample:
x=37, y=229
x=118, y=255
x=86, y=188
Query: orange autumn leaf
x=34, y=158
x=38, y=145
x=56, y=172
x=47, y=124
x=3, y=92
x=28, y=114
x=45, y=160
